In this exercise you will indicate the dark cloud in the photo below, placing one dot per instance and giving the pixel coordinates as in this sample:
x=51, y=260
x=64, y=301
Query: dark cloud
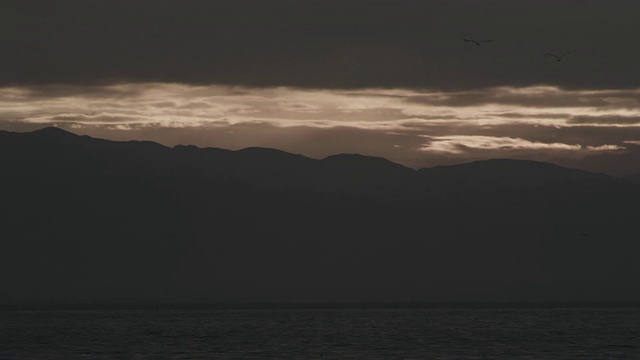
x=321, y=43
x=52, y=91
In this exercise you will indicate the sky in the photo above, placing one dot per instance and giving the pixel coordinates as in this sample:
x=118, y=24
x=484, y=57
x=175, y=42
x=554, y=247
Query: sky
x=389, y=78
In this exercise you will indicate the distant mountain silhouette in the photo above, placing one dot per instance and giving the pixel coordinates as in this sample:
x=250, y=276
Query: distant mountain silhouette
x=92, y=220
x=634, y=177
x=53, y=133
x=518, y=173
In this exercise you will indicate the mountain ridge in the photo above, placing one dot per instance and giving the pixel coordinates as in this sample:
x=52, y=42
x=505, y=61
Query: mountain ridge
x=346, y=158
x=87, y=219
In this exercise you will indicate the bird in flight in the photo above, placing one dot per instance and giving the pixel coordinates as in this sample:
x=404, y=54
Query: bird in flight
x=477, y=42
x=558, y=57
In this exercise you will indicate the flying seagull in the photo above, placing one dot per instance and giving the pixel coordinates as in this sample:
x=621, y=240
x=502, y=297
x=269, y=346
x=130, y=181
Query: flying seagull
x=477, y=42
x=558, y=57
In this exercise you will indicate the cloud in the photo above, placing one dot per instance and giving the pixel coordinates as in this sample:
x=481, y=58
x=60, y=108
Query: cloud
x=605, y=120
x=402, y=109
x=465, y=143
x=299, y=107
x=534, y=96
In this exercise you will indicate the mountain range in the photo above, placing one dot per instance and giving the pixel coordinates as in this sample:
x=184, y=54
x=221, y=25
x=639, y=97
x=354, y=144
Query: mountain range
x=93, y=220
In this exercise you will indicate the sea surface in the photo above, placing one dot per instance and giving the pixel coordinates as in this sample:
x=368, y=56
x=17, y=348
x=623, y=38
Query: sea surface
x=321, y=332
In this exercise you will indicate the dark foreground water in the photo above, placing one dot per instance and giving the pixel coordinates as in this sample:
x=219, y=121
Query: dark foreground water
x=322, y=332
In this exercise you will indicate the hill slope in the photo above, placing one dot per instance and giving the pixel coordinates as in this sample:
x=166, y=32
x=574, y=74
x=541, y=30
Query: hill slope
x=94, y=220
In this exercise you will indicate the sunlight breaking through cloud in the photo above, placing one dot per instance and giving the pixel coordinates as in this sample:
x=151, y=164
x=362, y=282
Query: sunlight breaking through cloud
x=194, y=106
x=461, y=143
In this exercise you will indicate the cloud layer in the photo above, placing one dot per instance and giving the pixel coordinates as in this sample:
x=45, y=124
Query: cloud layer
x=416, y=128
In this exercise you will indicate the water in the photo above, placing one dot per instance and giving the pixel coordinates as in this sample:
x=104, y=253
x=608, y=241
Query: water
x=321, y=332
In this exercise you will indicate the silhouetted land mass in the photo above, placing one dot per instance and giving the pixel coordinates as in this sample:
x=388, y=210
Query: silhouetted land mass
x=634, y=177
x=91, y=220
